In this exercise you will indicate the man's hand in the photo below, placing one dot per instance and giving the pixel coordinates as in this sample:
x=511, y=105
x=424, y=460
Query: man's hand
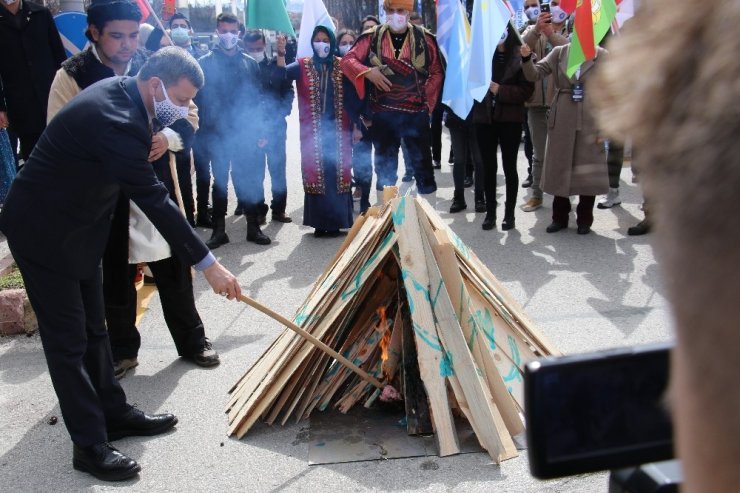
x=4, y=119
x=222, y=281
x=544, y=24
x=493, y=87
x=525, y=50
x=378, y=79
x=261, y=143
x=282, y=41
x=159, y=146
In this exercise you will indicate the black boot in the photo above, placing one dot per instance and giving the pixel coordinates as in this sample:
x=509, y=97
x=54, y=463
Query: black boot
x=508, y=220
x=490, y=221
x=458, y=202
x=204, y=219
x=641, y=228
x=254, y=233
x=528, y=182
x=219, y=236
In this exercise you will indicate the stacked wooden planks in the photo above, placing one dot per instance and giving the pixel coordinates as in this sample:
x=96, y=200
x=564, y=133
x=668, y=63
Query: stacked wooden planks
x=402, y=271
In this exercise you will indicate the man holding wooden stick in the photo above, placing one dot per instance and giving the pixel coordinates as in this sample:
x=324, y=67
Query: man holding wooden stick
x=64, y=199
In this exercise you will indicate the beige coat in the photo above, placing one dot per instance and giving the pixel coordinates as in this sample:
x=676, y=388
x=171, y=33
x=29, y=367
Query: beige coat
x=575, y=162
x=544, y=90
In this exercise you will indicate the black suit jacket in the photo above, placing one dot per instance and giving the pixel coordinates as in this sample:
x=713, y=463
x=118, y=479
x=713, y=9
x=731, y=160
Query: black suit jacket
x=59, y=208
x=31, y=55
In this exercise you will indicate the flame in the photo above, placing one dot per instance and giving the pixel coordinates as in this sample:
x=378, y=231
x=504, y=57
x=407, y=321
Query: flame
x=385, y=341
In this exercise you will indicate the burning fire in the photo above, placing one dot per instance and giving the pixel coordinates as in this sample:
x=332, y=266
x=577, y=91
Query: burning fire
x=385, y=341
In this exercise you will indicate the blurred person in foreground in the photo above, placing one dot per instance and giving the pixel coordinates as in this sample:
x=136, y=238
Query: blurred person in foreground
x=672, y=84
x=57, y=218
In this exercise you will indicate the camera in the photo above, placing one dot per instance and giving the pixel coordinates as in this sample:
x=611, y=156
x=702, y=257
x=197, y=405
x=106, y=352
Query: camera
x=598, y=411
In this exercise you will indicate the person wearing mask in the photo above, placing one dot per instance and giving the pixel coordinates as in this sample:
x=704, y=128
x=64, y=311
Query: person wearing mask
x=279, y=96
x=326, y=137
x=181, y=34
x=403, y=63
x=575, y=162
x=113, y=28
x=57, y=219
x=547, y=30
x=32, y=53
x=500, y=125
x=234, y=139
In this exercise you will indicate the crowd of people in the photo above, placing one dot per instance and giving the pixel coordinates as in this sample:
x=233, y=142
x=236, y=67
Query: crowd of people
x=363, y=98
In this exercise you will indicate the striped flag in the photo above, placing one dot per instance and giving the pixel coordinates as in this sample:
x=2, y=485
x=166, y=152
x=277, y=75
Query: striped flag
x=593, y=21
x=453, y=37
x=490, y=18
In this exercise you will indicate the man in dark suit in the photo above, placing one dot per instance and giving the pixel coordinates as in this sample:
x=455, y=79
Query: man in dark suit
x=57, y=218
x=32, y=53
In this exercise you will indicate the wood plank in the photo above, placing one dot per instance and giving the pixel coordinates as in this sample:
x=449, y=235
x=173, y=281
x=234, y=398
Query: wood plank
x=429, y=348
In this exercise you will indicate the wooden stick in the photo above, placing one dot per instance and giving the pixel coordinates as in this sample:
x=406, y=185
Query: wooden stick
x=317, y=343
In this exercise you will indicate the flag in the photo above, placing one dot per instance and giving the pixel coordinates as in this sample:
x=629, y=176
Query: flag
x=568, y=5
x=144, y=7
x=314, y=14
x=593, y=21
x=490, y=19
x=453, y=37
x=269, y=14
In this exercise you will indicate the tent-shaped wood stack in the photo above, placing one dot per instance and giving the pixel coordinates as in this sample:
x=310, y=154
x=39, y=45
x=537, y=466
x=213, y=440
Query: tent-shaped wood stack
x=407, y=301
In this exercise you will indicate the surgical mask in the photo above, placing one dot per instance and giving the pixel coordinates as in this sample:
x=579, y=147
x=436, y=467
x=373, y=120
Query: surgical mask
x=168, y=112
x=504, y=36
x=532, y=13
x=344, y=49
x=558, y=15
x=321, y=48
x=258, y=56
x=228, y=40
x=180, y=35
x=396, y=21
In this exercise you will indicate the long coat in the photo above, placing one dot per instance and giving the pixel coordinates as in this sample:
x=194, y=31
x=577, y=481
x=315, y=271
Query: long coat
x=575, y=161
x=31, y=55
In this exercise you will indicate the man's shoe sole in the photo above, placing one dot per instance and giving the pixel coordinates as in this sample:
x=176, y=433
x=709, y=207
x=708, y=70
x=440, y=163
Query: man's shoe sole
x=119, y=434
x=106, y=476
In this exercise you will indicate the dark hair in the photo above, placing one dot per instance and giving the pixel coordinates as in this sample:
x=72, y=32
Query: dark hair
x=154, y=40
x=227, y=17
x=346, y=32
x=100, y=12
x=369, y=18
x=415, y=16
x=172, y=64
x=254, y=35
x=177, y=16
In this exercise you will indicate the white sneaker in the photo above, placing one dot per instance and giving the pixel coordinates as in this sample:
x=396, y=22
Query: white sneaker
x=610, y=199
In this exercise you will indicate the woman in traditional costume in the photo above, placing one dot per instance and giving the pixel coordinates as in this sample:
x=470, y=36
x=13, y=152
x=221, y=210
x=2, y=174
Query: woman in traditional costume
x=326, y=137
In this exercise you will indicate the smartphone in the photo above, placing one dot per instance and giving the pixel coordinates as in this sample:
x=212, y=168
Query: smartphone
x=545, y=7
x=597, y=411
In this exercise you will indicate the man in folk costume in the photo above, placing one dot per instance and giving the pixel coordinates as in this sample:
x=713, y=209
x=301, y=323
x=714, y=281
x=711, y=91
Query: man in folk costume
x=113, y=28
x=403, y=63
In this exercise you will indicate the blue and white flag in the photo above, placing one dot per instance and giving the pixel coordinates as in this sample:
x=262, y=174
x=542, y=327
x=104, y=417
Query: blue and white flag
x=453, y=37
x=490, y=18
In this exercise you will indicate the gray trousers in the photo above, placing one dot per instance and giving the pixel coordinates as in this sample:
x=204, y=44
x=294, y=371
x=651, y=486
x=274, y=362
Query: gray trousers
x=537, y=116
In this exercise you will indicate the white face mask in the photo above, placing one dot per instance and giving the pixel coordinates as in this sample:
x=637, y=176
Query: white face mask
x=397, y=22
x=343, y=49
x=558, y=15
x=532, y=13
x=180, y=35
x=503, y=37
x=168, y=112
x=228, y=40
x=258, y=56
x=321, y=48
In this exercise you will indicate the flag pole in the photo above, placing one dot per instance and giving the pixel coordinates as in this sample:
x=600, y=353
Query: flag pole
x=159, y=22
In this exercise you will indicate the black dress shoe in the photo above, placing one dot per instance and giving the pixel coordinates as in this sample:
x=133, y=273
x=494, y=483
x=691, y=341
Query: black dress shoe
x=480, y=206
x=639, y=229
x=583, y=229
x=105, y=462
x=281, y=217
x=555, y=227
x=457, y=206
x=528, y=182
x=509, y=223
x=489, y=222
x=468, y=182
x=136, y=423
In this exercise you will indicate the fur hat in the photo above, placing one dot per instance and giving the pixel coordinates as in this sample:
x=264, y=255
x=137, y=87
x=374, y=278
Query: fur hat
x=399, y=4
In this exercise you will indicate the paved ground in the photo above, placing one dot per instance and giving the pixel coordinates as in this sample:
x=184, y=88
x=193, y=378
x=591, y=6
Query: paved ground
x=585, y=292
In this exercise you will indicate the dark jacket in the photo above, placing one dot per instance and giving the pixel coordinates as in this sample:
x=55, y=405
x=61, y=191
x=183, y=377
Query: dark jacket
x=232, y=101
x=59, y=208
x=279, y=92
x=31, y=55
x=514, y=90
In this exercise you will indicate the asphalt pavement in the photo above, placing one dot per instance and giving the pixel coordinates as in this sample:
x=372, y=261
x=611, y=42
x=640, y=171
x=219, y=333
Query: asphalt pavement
x=585, y=292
